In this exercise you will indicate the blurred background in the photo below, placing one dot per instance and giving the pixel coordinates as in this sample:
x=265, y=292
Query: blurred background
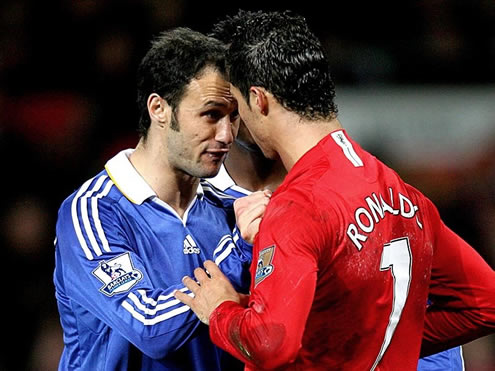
x=415, y=85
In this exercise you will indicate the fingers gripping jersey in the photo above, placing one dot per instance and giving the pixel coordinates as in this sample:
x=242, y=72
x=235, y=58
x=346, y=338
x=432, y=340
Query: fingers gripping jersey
x=120, y=254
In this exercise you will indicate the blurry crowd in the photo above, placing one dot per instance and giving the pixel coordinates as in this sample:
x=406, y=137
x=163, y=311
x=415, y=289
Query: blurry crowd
x=67, y=93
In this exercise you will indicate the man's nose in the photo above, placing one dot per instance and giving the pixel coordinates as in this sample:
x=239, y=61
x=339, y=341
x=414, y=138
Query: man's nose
x=225, y=131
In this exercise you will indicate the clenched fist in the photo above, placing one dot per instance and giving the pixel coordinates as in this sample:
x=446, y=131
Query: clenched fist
x=249, y=211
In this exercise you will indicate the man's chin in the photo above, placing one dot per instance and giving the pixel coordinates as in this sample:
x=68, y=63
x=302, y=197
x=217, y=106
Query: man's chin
x=211, y=172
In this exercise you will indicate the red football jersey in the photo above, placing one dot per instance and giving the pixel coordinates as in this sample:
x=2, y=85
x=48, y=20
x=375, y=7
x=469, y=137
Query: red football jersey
x=341, y=271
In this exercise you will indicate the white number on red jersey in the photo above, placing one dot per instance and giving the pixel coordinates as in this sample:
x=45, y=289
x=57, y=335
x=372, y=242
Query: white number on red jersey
x=397, y=258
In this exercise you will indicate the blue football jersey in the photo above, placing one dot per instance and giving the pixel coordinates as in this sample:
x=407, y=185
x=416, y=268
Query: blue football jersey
x=449, y=360
x=121, y=252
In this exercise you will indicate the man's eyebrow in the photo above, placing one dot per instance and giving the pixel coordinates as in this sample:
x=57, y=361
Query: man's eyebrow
x=214, y=103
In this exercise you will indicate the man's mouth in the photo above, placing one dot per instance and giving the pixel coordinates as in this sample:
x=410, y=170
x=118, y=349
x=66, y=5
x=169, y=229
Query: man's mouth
x=217, y=153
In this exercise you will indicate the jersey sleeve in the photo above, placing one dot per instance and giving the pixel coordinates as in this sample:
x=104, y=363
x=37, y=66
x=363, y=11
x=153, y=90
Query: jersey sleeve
x=462, y=292
x=268, y=333
x=98, y=269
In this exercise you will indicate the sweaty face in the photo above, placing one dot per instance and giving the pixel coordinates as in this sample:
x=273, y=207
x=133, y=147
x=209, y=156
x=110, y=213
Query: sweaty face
x=206, y=124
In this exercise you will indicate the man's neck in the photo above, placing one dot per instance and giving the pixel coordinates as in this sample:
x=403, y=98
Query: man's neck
x=171, y=186
x=252, y=171
x=299, y=137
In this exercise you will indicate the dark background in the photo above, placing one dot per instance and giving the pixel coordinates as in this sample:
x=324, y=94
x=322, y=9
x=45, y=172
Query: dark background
x=67, y=93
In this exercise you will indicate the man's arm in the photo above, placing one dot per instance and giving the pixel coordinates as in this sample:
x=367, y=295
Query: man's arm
x=462, y=291
x=249, y=212
x=284, y=281
x=114, y=285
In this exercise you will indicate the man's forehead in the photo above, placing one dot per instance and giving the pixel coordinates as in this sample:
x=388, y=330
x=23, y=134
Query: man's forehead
x=210, y=88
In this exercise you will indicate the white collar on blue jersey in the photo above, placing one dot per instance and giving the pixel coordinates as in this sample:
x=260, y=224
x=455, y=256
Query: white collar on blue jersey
x=129, y=181
x=222, y=180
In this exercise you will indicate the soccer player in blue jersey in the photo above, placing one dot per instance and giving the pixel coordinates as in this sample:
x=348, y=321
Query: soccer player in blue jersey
x=127, y=236
x=246, y=170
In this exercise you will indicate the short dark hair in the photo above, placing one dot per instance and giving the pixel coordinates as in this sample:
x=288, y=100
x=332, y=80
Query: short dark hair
x=227, y=28
x=175, y=58
x=278, y=51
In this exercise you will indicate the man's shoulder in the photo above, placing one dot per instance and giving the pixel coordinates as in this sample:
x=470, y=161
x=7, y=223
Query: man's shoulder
x=100, y=187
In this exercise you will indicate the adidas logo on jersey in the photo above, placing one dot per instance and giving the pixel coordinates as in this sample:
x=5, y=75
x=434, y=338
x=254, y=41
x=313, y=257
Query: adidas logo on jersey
x=190, y=246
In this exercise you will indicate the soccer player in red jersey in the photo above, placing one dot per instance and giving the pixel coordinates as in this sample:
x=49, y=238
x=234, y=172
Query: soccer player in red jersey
x=347, y=253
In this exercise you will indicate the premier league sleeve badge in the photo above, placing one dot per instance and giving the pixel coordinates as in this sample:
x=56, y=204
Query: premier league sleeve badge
x=264, y=266
x=117, y=275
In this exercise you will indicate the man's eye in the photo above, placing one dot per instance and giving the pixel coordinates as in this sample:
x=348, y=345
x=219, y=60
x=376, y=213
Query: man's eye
x=213, y=115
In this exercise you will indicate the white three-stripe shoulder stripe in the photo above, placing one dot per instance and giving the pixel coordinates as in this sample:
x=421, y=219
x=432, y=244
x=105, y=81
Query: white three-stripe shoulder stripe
x=79, y=207
x=223, y=249
x=150, y=311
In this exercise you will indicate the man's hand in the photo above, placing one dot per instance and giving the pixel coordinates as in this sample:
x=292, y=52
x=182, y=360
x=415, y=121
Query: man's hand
x=248, y=213
x=211, y=291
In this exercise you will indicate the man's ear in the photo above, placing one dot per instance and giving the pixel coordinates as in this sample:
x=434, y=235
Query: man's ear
x=158, y=109
x=258, y=96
